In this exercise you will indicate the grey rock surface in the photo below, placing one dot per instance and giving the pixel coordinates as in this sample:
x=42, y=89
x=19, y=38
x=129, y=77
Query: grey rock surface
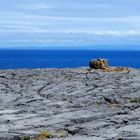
x=85, y=104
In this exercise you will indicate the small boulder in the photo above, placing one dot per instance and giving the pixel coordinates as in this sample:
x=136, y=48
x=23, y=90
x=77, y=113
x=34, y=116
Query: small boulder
x=98, y=64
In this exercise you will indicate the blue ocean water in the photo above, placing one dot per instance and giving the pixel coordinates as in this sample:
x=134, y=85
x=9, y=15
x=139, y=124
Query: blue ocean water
x=13, y=59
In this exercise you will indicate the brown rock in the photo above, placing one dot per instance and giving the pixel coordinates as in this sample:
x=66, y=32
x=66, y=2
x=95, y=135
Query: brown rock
x=98, y=64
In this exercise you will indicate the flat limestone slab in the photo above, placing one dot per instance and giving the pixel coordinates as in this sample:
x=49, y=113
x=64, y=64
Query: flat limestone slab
x=76, y=103
x=79, y=138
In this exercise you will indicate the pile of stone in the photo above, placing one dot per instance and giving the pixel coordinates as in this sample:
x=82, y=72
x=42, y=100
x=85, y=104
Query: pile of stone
x=103, y=65
x=98, y=64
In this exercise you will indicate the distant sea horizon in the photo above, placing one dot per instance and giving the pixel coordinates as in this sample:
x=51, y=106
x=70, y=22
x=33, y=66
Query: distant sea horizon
x=18, y=59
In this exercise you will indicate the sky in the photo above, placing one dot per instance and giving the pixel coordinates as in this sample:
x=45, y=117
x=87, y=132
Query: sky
x=90, y=24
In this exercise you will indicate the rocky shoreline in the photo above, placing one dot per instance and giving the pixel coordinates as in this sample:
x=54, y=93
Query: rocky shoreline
x=70, y=104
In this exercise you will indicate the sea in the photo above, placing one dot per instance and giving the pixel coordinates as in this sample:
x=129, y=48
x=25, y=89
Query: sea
x=17, y=59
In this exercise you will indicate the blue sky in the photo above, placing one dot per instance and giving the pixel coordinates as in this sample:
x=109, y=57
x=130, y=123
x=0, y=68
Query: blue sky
x=80, y=23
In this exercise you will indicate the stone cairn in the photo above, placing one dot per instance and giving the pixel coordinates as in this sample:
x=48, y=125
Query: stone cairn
x=103, y=65
x=98, y=64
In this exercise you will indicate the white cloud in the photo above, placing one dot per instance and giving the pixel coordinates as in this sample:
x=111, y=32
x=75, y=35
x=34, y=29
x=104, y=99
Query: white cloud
x=32, y=30
x=105, y=32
